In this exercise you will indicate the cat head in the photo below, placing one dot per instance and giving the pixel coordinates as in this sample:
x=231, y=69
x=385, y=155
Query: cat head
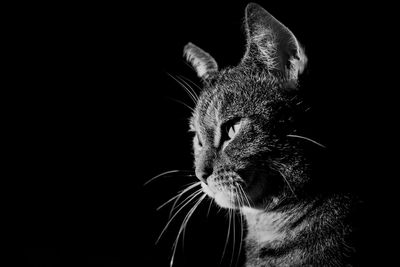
x=243, y=116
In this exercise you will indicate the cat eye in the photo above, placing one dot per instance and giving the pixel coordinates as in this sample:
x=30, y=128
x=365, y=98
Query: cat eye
x=231, y=129
x=198, y=141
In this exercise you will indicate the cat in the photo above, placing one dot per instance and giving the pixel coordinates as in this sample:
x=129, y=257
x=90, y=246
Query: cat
x=249, y=159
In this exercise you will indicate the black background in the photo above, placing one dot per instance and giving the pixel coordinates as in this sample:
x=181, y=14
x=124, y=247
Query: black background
x=93, y=117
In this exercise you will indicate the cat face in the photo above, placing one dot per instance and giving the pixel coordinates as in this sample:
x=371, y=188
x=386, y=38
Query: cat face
x=240, y=144
x=243, y=116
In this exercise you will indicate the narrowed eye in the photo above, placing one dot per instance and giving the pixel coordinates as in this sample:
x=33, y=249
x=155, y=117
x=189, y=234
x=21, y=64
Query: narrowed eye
x=198, y=141
x=232, y=128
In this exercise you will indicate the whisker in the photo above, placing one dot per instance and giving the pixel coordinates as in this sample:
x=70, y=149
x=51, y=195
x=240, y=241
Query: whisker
x=182, y=192
x=193, y=83
x=306, y=138
x=234, y=236
x=185, y=201
x=228, y=233
x=244, y=199
x=189, y=80
x=241, y=238
x=245, y=196
x=174, y=206
x=190, y=214
x=277, y=167
x=287, y=182
x=231, y=226
x=181, y=102
x=188, y=87
x=192, y=97
x=240, y=199
x=194, y=195
x=209, y=207
x=168, y=172
x=183, y=228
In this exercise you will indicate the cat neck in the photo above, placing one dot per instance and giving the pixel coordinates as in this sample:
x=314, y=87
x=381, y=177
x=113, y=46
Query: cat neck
x=279, y=234
x=283, y=221
x=276, y=225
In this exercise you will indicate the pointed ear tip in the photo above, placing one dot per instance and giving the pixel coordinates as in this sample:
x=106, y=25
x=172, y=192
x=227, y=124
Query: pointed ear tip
x=189, y=44
x=252, y=5
x=256, y=13
x=249, y=9
x=252, y=8
x=187, y=48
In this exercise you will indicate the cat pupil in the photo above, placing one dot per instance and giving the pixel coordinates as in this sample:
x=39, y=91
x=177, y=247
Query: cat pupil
x=198, y=141
x=232, y=131
x=232, y=128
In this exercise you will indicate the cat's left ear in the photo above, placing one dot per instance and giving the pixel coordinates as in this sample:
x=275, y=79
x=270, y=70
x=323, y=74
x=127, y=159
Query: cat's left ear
x=204, y=64
x=272, y=44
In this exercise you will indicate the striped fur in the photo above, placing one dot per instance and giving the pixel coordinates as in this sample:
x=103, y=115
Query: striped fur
x=259, y=170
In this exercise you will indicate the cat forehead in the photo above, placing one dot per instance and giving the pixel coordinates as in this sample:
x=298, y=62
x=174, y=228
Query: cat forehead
x=235, y=96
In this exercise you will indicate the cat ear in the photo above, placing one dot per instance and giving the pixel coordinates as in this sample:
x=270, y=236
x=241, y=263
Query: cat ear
x=272, y=44
x=202, y=62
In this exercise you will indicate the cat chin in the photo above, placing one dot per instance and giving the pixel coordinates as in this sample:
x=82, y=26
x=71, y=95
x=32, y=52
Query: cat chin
x=223, y=199
x=251, y=211
x=207, y=190
x=255, y=193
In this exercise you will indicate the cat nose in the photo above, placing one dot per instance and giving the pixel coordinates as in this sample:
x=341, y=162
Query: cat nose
x=203, y=174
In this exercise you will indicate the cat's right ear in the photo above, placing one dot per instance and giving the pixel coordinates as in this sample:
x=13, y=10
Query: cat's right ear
x=204, y=64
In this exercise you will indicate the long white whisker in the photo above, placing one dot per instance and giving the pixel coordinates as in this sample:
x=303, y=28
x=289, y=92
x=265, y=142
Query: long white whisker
x=183, y=228
x=181, y=102
x=234, y=235
x=185, y=201
x=241, y=237
x=306, y=138
x=188, y=87
x=228, y=233
x=165, y=173
x=242, y=199
x=209, y=207
x=278, y=167
x=187, y=79
x=241, y=195
x=287, y=182
x=182, y=192
x=192, y=97
x=189, y=215
x=176, y=213
x=174, y=206
x=245, y=196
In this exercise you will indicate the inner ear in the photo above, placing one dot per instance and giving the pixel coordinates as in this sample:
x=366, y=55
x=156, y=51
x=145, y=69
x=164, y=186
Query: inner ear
x=272, y=44
x=204, y=64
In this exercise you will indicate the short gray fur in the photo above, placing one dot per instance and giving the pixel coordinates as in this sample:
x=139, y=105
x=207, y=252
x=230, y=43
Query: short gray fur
x=289, y=222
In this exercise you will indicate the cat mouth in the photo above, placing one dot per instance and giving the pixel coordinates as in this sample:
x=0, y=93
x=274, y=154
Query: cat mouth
x=230, y=190
x=227, y=191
